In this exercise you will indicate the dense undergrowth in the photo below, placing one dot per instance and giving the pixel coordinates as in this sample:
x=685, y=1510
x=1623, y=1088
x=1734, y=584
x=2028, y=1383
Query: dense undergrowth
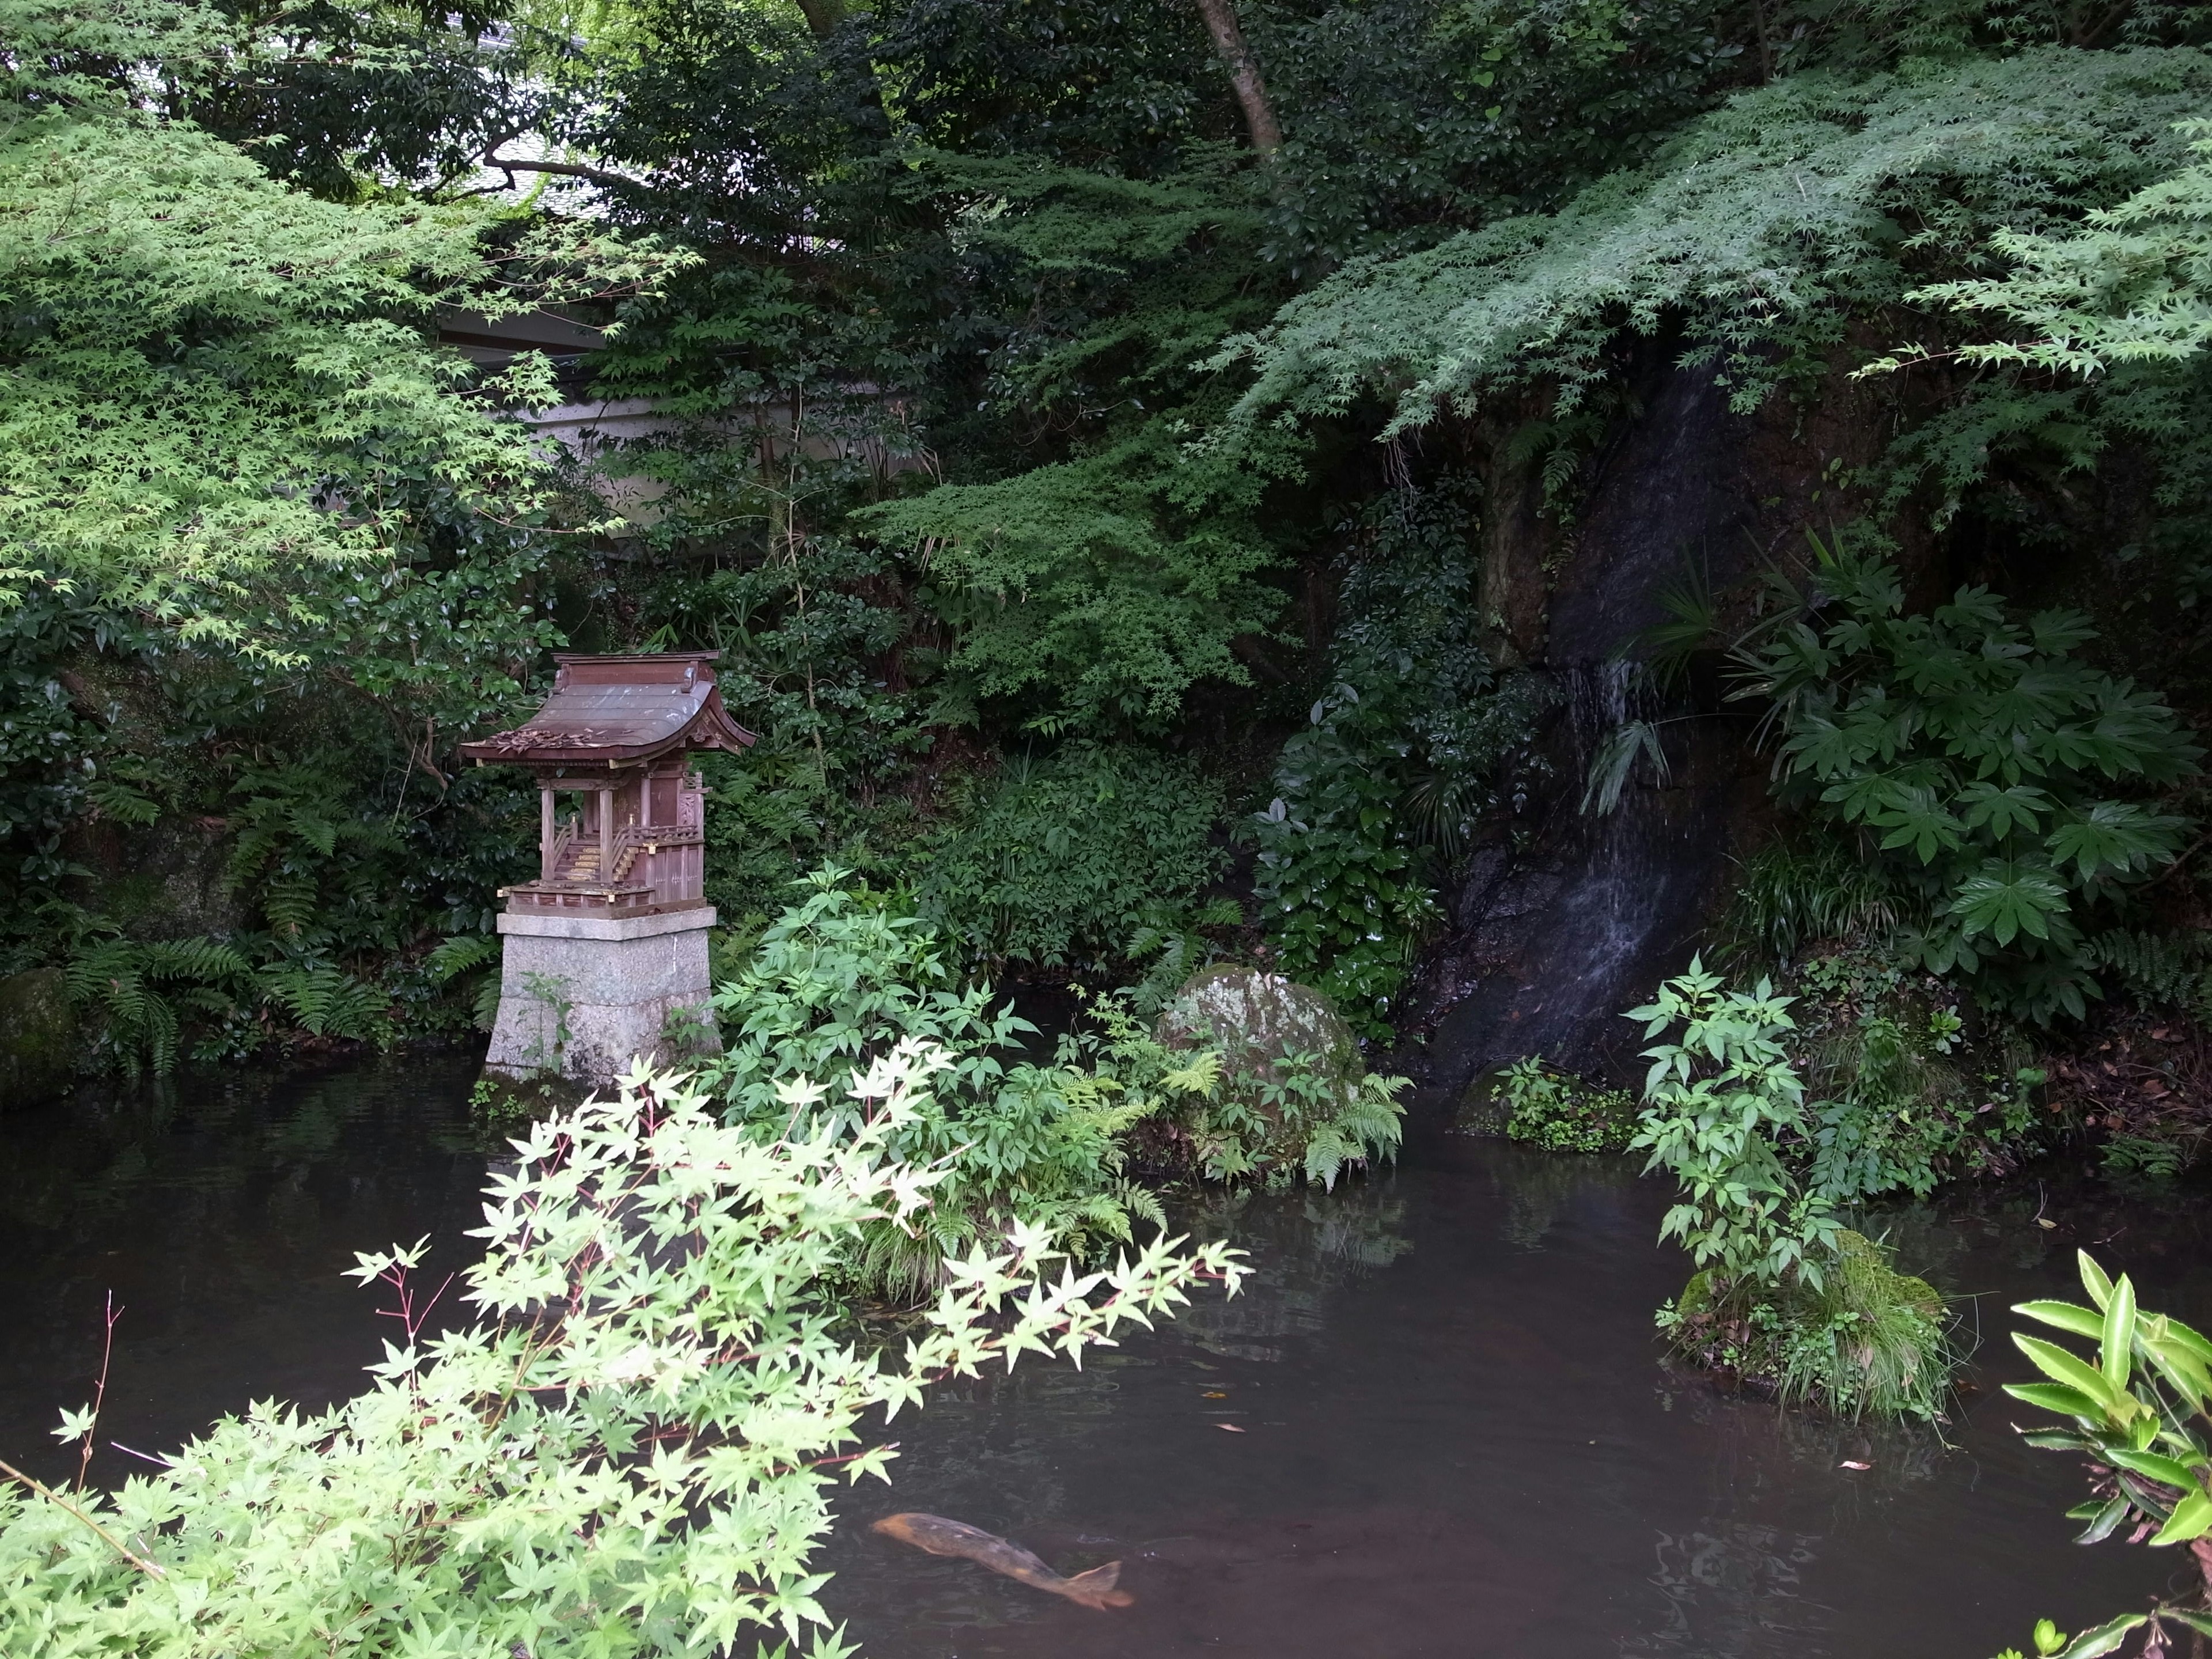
x=1072, y=1145
x=1009, y=441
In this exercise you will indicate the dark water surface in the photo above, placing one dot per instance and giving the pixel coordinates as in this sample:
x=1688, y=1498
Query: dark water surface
x=1455, y=1434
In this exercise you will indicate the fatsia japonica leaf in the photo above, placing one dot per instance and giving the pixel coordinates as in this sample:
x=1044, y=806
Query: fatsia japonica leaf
x=2002, y=811
x=2110, y=836
x=2005, y=899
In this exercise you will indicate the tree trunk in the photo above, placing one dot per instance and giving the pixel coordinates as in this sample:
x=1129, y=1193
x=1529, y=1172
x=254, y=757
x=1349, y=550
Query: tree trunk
x=822, y=17
x=1244, y=75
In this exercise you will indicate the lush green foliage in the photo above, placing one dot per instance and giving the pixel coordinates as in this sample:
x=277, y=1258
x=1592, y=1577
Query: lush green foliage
x=1293, y=1096
x=265, y=549
x=1756, y=230
x=1986, y=762
x=2132, y=284
x=631, y=1453
x=1561, y=1113
x=841, y=978
x=965, y=329
x=1719, y=1096
x=1065, y=857
x=1783, y=1291
x=1403, y=756
x=218, y=362
x=1099, y=590
x=1301, y=1118
x=839, y=981
x=2140, y=1406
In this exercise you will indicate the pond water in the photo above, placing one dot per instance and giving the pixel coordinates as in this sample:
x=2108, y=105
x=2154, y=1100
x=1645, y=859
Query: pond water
x=1435, y=1422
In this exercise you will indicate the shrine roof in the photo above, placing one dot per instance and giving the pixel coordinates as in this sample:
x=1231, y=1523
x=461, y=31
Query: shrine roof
x=615, y=709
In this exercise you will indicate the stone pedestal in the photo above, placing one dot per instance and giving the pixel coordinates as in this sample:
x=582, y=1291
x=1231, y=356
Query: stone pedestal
x=580, y=996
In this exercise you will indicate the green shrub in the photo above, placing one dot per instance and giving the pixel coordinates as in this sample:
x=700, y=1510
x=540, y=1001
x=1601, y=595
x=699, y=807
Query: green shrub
x=838, y=982
x=1986, y=771
x=1868, y=1339
x=1062, y=861
x=1560, y=1113
x=1783, y=1291
x=630, y=1455
x=1718, y=1101
x=2153, y=1158
x=2137, y=1408
x=1798, y=890
x=1403, y=757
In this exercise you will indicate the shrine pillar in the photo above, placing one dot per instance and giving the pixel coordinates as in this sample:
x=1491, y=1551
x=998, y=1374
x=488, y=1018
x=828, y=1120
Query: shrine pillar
x=583, y=995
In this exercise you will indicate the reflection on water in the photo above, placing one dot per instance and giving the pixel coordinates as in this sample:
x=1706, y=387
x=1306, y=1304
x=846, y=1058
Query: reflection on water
x=1436, y=1422
x=219, y=1208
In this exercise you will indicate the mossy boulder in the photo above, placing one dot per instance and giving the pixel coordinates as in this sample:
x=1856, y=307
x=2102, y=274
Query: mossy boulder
x=38, y=1037
x=1293, y=1097
x=1258, y=1021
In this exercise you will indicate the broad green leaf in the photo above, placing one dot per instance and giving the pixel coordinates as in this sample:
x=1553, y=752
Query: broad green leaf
x=2093, y=1279
x=2188, y=1337
x=2006, y=898
x=2058, y=1397
x=2116, y=1341
x=2106, y=1638
x=2071, y=1370
x=2069, y=1316
x=2192, y=1519
x=2002, y=811
x=2164, y=1470
x=2114, y=835
x=2102, y=1524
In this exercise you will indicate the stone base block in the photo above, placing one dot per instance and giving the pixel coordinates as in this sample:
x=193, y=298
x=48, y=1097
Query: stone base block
x=581, y=997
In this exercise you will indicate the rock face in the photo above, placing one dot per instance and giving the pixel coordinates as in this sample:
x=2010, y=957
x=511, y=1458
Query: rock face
x=38, y=1037
x=1256, y=1020
x=1552, y=934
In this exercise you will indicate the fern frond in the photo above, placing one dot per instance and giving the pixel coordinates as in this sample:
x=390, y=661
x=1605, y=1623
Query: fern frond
x=458, y=955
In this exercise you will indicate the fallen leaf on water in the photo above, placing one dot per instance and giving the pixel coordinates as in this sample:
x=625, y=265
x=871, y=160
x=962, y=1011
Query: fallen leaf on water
x=2048, y=1226
x=1231, y=1427
x=1213, y=1394
x=1850, y=1463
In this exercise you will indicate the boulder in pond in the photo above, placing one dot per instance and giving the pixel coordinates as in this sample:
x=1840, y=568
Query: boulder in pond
x=1258, y=1021
x=38, y=1037
x=1293, y=1096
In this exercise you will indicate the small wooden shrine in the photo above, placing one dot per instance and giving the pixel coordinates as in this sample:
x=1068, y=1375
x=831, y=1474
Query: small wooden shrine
x=603, y=959
x=616, y=739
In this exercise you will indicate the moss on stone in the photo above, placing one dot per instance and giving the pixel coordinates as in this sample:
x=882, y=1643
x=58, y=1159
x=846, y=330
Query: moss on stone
x=38, y=1037
x=1257, y=1021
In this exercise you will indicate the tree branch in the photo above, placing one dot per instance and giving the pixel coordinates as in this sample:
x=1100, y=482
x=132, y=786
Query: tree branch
x=1267, y=133
x=565, y=169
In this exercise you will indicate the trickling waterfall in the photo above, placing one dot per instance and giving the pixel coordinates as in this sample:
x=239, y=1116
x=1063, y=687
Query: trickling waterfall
x=1598, y=698
x=1552, y=939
